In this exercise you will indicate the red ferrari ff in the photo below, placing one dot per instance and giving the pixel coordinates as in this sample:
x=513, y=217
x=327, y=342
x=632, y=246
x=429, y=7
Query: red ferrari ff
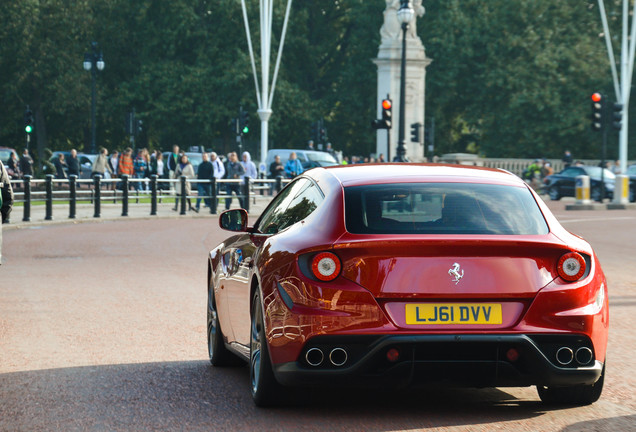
x=408, y=274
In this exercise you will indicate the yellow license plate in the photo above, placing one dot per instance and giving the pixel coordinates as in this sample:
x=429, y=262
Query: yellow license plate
x=453, y=313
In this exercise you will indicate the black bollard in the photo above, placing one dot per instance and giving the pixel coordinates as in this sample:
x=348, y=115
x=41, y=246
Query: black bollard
x=26, y=216
x=124, y=200
x=97, y=180
x=72, y=196
x=279, y=183
x=49, y=197
x=246, y=194
x=153, y=195
x=183, y=195
x=213, y=200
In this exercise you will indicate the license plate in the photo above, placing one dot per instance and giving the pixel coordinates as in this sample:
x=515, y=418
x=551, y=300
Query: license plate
x=453, y=313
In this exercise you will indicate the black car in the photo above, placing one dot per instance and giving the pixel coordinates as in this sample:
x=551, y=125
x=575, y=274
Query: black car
x=563, y=184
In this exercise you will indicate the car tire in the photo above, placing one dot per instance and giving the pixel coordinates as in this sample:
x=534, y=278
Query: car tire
x=217, y=351
x=266, y=391
x=574, y=395
x=595, y=194
x=632, y=194
x=554, y=193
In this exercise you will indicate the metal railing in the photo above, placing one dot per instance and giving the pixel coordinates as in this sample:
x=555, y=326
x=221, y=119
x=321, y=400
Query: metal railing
x=142, y=191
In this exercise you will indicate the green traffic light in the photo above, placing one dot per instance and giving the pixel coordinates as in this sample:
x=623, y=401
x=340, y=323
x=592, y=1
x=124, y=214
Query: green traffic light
x=28, y=129
x=246, y=129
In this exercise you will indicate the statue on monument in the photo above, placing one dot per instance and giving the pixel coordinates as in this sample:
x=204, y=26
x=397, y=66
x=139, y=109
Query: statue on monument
x=391, y=28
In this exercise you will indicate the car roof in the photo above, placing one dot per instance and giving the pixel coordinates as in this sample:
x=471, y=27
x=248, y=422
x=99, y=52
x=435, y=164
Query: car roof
x=362, y=174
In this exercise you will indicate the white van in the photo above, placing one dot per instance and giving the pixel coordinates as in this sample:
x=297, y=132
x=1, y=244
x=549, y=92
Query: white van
x=308, y=158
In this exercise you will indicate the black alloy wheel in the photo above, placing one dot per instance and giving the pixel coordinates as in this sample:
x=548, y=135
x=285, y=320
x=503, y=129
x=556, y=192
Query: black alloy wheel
x=554, y=193
x=265, y=389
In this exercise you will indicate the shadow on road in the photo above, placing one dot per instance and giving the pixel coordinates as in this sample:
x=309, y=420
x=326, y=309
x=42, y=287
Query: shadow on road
x=196, y=396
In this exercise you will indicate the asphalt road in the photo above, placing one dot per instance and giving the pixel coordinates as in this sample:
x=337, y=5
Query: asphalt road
x=102, y=327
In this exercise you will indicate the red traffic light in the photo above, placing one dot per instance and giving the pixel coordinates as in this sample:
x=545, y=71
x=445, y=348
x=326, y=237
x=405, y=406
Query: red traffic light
x=386, y=104
x=596, y=97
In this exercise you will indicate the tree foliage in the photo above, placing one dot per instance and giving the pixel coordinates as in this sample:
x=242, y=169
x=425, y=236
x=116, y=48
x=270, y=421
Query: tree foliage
x=509, y=78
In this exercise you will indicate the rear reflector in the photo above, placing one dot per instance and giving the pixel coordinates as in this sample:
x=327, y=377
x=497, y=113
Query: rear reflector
x=571, y=266
x=325, y=266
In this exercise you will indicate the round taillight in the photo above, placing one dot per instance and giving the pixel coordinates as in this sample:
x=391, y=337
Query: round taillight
x=571, y=266
x=325, y=266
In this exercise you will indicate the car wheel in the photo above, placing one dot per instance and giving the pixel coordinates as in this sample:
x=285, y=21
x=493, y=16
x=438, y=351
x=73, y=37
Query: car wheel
x=574, y=395
x=265, y=388
x=554, y=193
x=632, y=195
x=595, y=194
x=217, y=351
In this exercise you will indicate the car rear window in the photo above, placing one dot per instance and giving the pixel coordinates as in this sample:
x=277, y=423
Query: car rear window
x=442, y=208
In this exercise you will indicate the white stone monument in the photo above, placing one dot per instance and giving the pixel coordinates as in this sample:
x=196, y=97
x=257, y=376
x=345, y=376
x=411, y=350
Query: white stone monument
x=389, y=62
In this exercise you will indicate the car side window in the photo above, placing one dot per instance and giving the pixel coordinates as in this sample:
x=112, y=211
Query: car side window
x=269, y=221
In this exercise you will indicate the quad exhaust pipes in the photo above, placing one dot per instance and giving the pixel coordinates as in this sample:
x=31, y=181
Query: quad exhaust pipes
x=315, y=356
x=565, y=356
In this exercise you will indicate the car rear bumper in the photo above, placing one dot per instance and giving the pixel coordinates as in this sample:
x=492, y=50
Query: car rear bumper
x=494, y=360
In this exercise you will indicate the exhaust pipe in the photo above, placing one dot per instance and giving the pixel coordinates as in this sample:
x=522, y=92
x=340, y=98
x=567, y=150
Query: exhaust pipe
x=584, y=356
x=338, y=356
x=564, y=356
x=314, y=356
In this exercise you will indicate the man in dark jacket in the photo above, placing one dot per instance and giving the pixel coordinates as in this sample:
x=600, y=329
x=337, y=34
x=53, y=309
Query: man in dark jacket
x=73, y=164
x=6, y=200
x=234, y=171
x=204, y=172
x=26, y=163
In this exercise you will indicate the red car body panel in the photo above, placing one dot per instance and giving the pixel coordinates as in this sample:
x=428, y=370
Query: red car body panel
x=381, y=274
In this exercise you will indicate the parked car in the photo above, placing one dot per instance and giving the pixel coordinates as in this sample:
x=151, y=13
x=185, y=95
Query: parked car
x=563, y=184
x=5, y=154
x=399, y=274
x=308, y=158
x=631, y=172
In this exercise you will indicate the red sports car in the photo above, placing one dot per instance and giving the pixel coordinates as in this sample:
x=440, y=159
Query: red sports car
x=408, y=274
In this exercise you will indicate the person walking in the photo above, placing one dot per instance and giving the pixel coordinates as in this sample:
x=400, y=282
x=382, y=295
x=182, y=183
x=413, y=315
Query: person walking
x=26, y=163
x=185, y=169
x=125, y=164
x=6, y=200
x=101, y=166
x=205, y=172
x=234, y=171
x=60, y=165
x=14, y=167
x=248, y=166
x=276, y=169
x=140, y=166
x=73, y=164
x=113, y=160
x=293, y=167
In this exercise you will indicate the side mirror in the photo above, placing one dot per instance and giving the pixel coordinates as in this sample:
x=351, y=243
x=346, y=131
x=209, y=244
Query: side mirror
x=234, y=220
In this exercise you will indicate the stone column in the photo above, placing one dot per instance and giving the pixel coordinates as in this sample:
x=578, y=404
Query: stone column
x=388, y=63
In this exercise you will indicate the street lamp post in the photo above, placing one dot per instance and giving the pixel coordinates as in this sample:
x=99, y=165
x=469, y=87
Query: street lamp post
x=93, y=61
x=405, y=15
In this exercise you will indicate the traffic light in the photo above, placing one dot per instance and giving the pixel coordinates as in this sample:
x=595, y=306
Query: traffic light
x=617, y=116
x=386, y=121
x=598, y=104
x=28, y=120
x=315, y=136
x=429, y=138
x=415, y=132
x=322, y=133
x=139, y=128
x=244, y=119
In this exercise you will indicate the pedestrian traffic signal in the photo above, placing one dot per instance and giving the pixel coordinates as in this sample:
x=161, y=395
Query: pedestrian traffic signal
x=28, y=120
x=598, y=104
x=415, y=132
x=617, y=116
x=244, y=119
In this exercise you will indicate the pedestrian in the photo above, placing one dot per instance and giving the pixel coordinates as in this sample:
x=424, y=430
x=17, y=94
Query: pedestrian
x=219, y=168
x=60, y=167
x=381, y=158
x=6, y=200
x=173, y=161
x=330, y=150
x=293, y=167
x=125, y=164
x=14, y=167
x=616, y=167
x=140, y=165
x=276, y=169
x=205, y=173
x=567, y=158
x=47, y=165
x=26, y=163
x=248, y=166
x=100, y=166
x=73, y=164
x=184, y=168
x=113, y=160
x=234, y=171
x=310, y=145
